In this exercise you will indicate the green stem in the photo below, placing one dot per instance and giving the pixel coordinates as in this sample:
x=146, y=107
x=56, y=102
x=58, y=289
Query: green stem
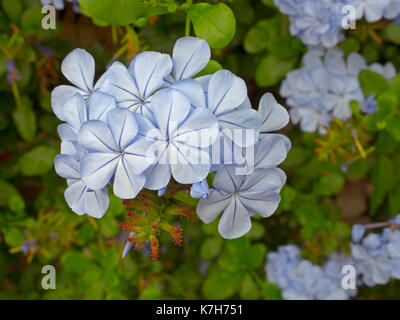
x=16, y=95
x=187, y=24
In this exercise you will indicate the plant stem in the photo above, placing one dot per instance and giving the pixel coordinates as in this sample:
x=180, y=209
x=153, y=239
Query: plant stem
x=187, y=25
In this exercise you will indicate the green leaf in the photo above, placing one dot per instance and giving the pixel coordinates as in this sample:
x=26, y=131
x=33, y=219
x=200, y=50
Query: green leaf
x=271, y=291
x=16, y=204
x=256, y=255
x=211, y=67
x=383, y=174
x=25, y=120
x=7, y=191
x=257, y=37
x=272, y=69
x=358, y=169
x=372, y=82
x=31, y=20
x=108, y=226
x=249, y=289
x=329, y=184
x=210, y=248
x=13, y=237
x=214, y=23
x=119, y=12
x=13, y=9
x=392, y=33
x=150, y=293
x=393, y=127
x=285, y=47
x=77, y=263
x=37, y=161
x=221, y=285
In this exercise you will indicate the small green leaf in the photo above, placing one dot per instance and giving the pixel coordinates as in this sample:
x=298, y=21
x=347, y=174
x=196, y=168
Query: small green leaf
x=13, y=237
x=272, y=69
x=77, y=263
x=37, y=161
x=13, y=9
x=271, y=291
x=329, y=184
x=214, y=23
x=257, y=37
x=249, y=289
x=151, y=292
x=372, y=82
x=210, y=248
x=31, y=19
x=25, y=120
x=221, y=285
x=7, y=191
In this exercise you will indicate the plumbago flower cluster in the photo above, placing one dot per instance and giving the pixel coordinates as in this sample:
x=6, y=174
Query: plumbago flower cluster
x=326, y=84
x=319, y=23
x=140, y=126
x=60, y=5
x=375, y=258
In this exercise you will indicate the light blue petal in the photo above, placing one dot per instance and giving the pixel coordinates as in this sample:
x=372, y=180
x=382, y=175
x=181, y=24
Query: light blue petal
x=243, y=126
x=94, y=135
x=190, y=56
x=235, y=221
x=209, y=209
x=96, y=202
x=139, y=154
x=227, y=180
x=67, y=132
x=161, y=192
x=122, y=87
x=75, y=197
x=225, y=92
x=79, y=68
x=189, y=164
x=274, y=116
x=199, y=130
x=123, y=126
x=149, y=70
x=157, y=176
x=60, y=95
x=263, y=204
x=66, y=167
x=271, y=150
x=170, y=109
x=126, y=183
x=263, y=180
x=74, y=111
x=99, y=105
x=97, y=169
x=357, y=232
x=193, y=90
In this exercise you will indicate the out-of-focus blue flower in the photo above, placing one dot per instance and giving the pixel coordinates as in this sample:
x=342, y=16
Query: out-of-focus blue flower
x=161, y=192
x=29, y=245
x=79, y=68
x=357, y=232
x=200, y=190
x=58, y=4
x=13, y=75
x=79, y=197
x=372, y=259
x=115, y=151
x=180, y=136
x=299, y=279
x=372, y=10
x=388, y=70
x=323, y=88
x=239, y=197
x=369, y=105
x=314, y=22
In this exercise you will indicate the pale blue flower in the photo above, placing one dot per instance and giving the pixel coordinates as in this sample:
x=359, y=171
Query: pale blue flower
x=115, y=152
x=79, y=197
x=372, y=259
x=388, y=70
x=357, y=232
x=76, y=112
x=372, y=10
x=239, y=197
x=314, y=22
x=133, y=87
x=79, y=68
x=58, y=4
x=180, y=136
